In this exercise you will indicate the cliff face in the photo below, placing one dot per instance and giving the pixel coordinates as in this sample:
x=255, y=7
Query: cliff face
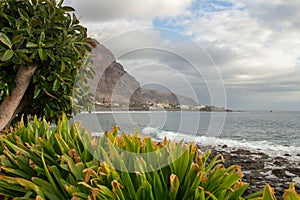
x=112, y=84
x=117, y=86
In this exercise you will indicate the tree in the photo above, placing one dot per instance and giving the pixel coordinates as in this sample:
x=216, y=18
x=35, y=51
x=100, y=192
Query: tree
x=44, y=52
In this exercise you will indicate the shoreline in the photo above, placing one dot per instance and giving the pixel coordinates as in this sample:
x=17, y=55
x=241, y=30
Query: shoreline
x=205, y=109
x=260, y=169
x=146, y=111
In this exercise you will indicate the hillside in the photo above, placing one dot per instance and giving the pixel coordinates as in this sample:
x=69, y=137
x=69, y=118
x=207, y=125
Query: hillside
x=112, y=84
x=153, y=96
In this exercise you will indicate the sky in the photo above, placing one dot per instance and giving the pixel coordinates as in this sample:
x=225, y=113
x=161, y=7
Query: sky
x=239, y=54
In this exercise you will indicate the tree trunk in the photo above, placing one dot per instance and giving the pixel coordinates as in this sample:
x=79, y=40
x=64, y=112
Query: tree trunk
x=11, y=103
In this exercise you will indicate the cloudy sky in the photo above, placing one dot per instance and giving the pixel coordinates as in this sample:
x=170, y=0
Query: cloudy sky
x=241, y=54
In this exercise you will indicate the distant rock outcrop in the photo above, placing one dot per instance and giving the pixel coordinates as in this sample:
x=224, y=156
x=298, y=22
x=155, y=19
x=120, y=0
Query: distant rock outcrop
x=154, y=96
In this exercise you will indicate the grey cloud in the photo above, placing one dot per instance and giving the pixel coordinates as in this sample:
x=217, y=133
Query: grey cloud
x=144, y=46
x=254, y=57
x=277, y=15
x=102, y=10
x=149, y=63
x=247, y=98
x=241, y=92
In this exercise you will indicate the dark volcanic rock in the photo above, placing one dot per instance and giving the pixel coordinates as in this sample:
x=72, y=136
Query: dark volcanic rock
x=279, y=161
x=279, y=173
x=260, y=169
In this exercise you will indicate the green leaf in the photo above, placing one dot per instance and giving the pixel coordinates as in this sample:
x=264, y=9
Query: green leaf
x=42, y=37
x=7, y=93
x=105, y=191
x=229, y=181
x=117, y=189
x=50, y=54
x=41, y=54
x=10, y=19
x=291, y=193
x=17, y=60
x=23, y=14
x=174, y=186
x=62, y=143
x=22, y=51
x=5, y=40
x=36, y=93
x=35, y=22
x=158, y=185
x=6, y=30
x=24, y=56
x=49, y=177
x=31, y=186
x=50, y=43
x=211, y=195
x=31, y=45
x=268, y=193
x=239, y=192
x=16, y=172
x=8, y=186
x=57, y=176
x=56, y=85
x=75, y=20
x=46, y=187
x=42, y=183
x=7, y=55
x=199, y=193
x=68, y=9
x=62, y=66
x=17, y=39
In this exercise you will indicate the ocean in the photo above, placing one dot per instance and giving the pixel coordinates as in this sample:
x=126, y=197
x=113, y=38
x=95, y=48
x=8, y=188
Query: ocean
x=275, y=133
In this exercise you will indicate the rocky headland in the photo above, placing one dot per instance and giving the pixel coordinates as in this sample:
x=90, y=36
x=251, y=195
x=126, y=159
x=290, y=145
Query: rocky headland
x=114, y=88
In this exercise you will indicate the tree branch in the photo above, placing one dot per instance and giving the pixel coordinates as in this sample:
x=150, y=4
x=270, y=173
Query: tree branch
x=11, y=103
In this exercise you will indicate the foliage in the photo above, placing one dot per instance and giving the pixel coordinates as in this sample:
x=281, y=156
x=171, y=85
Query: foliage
x=45, y=34
x=38, y=162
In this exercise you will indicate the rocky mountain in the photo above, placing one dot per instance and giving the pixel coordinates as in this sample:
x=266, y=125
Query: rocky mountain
x=154, y=96
x=113, y=85
x=117, y=86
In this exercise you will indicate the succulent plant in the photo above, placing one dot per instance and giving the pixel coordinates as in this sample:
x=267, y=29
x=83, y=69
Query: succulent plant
x=67, y=162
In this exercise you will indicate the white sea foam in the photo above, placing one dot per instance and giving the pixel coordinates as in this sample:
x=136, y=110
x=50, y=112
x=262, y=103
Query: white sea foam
x=258, y=146
x=98, y=134
x=261, y=146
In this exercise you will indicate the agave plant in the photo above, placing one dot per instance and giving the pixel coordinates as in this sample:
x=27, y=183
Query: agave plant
x=66, y=162
x=36, y=161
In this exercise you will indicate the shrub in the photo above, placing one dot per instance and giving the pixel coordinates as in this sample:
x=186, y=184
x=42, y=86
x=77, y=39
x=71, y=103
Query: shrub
x=68, y=163
x=45, y=38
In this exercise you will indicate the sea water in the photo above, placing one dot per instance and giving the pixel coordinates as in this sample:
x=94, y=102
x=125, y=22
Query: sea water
x=276, y=133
